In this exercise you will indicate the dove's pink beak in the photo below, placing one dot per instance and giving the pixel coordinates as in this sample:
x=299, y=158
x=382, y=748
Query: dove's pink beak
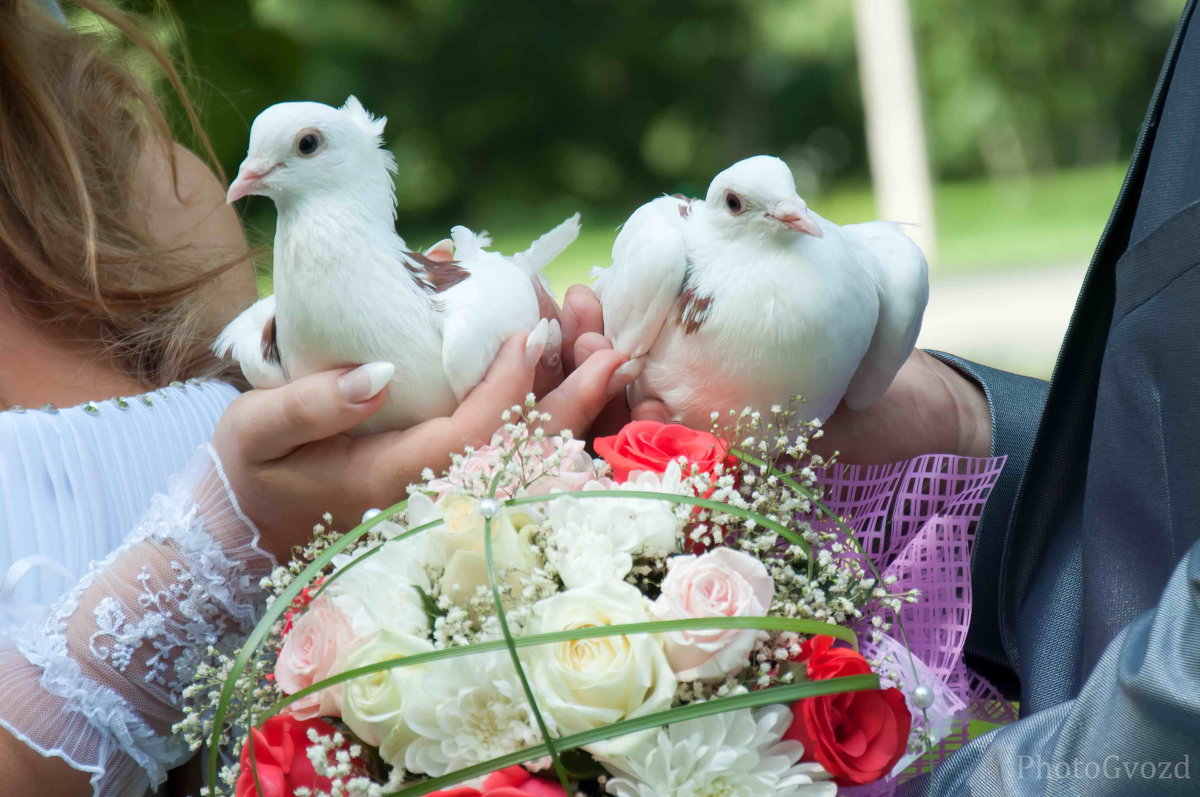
x=251, y=179
x=794, y=215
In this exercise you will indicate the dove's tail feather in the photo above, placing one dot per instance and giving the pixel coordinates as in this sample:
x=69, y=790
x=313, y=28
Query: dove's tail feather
x=467, y=243
x=542, y=252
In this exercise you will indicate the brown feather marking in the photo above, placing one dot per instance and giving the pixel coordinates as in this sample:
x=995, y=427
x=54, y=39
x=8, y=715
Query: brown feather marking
x=270, y=343
x=435, y=276
x=685, y=204
x=693, y=310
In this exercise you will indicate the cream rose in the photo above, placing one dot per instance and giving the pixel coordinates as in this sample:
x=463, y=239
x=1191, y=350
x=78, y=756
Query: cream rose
x=586, y=683
x=372, y=704
x=720, y=583
x=310, y=653
x=458, y=549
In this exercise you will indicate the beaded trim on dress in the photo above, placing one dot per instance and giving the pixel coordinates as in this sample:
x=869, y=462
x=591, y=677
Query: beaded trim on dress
x=120, y=402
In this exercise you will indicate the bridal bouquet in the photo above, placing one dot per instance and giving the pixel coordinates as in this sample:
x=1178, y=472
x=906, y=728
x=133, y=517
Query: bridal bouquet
x=688, y=614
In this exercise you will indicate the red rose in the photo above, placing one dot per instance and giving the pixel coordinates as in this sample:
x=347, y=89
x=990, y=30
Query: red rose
x=652, y=446
x=856, y=736
x=510, y=782
x=281, y=758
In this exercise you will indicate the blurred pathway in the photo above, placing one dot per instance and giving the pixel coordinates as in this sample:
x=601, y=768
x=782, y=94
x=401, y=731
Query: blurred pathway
x=1013, y=320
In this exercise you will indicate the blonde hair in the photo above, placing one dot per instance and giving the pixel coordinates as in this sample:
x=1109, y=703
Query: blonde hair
x=77, y=253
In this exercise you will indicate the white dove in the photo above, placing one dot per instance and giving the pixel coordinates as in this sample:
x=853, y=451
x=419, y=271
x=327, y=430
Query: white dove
x=348, y=290
x=748, y=298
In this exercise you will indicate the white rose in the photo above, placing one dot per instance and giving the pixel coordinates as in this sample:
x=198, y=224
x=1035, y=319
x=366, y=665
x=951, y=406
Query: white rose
x=586, y=683
x=594, y=540
x=381, y=591
x=458, y=547
x=720, y=583
x=421, y=509
x=372, y=704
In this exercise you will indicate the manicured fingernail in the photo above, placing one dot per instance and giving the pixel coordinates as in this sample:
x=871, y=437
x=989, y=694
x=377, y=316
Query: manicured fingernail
x=552, y=357
x=535, y=344
x=623, y=377
x=365, y=381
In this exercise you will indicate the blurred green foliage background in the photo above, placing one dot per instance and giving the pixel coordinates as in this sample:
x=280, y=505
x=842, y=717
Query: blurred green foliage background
x=510, y=114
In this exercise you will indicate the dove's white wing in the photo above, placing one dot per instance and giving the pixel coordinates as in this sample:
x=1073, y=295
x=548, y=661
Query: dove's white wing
x=250, y=340
x=481, y=312
x=903, y=282
x=649, y=264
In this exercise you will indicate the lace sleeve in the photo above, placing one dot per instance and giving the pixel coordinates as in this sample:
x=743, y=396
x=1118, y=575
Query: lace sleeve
x=98, y=683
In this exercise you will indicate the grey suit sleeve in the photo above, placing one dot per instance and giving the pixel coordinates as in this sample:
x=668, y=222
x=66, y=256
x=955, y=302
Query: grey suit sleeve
x=1016, y=404
x=1134, y=729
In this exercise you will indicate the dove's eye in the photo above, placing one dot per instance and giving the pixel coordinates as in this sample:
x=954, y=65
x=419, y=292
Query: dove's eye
x=308, y=142
x=734, y=202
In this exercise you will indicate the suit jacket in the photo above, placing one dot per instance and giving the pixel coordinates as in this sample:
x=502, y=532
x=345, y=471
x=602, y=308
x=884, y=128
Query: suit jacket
x=1086, y=573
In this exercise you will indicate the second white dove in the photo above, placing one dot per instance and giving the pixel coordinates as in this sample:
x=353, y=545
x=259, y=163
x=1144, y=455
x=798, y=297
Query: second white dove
x=747, y=298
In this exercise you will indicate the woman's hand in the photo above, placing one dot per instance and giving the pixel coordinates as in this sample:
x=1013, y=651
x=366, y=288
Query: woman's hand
x=929, y=408
x=288, y=462
x=583, y=337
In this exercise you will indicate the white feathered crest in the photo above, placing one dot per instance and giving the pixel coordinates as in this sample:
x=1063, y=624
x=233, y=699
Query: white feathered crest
x=374, y=125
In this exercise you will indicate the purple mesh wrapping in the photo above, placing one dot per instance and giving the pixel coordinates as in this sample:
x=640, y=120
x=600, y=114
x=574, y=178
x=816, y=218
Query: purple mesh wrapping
x=916, y=520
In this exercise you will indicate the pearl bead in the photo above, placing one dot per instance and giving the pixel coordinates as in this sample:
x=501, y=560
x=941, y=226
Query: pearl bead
x=922, y=697
x=371, y=513
x=489, y=508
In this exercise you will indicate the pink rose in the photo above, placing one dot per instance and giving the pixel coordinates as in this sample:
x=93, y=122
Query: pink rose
x=652, y=446
x=310, y=653
x=720, y=583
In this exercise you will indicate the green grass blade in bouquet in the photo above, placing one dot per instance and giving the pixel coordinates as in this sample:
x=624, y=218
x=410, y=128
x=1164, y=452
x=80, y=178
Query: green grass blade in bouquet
x=262, y=630
x=765, y=697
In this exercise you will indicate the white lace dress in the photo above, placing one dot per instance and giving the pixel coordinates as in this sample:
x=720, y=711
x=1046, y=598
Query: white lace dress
x=93, y=654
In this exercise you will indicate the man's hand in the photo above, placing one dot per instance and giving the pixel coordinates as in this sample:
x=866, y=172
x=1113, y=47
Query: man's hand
x=288, y=462
x=929, y=408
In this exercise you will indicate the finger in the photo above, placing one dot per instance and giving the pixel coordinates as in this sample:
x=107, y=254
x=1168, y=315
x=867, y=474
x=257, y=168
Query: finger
x=588, y=344
x=612, y=419
x=581, y=313
x=507, y=383
x=651, y=410
x=269, y=424
x=549, y=373
x=584, y=394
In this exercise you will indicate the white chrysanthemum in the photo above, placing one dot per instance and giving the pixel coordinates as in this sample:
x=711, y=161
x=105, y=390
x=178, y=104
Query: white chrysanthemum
x=461, y=712
x=380, y=592
x=733, y=754
x=594, y=540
